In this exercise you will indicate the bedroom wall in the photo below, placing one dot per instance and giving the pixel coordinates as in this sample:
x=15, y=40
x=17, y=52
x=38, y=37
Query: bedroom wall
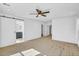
x=77, y=30
x=0, y=31
x=32, y=29
x=64, y=29
x=7, y=32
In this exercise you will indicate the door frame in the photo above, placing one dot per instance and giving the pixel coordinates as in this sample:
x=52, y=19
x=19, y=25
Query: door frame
x=42, y=30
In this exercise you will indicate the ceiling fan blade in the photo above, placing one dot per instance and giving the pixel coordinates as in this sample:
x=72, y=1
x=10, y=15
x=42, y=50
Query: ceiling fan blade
x=43, y=15
x=46, y=12
x=39, y=11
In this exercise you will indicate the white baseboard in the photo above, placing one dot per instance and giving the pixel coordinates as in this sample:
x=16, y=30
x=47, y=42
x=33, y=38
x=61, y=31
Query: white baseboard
x=65, y=41
x=5, y=45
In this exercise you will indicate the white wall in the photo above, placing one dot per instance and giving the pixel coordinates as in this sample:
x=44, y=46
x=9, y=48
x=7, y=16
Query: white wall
x=19, y=26
x=64, y=29
x=77, y=30
x=7, y=32
x=0, y=31
x=32, y=29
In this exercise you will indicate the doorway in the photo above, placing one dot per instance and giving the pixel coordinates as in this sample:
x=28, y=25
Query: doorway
x=19, y=31
x=50, y=30
x=41, y=30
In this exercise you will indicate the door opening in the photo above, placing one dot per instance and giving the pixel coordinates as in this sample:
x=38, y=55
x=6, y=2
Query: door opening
x=41, y=30
x=50, y=30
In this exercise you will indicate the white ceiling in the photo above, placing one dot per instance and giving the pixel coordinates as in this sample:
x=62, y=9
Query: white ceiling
x=56, y=10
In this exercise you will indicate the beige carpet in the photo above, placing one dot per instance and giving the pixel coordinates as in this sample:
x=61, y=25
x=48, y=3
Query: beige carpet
x=44, y=46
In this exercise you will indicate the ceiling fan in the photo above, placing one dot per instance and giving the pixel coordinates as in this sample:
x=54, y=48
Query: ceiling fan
x=40, y=13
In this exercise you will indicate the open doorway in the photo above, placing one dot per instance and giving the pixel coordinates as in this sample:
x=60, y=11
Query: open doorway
x=19, y=31
x=50, y=30
x=41, y=30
